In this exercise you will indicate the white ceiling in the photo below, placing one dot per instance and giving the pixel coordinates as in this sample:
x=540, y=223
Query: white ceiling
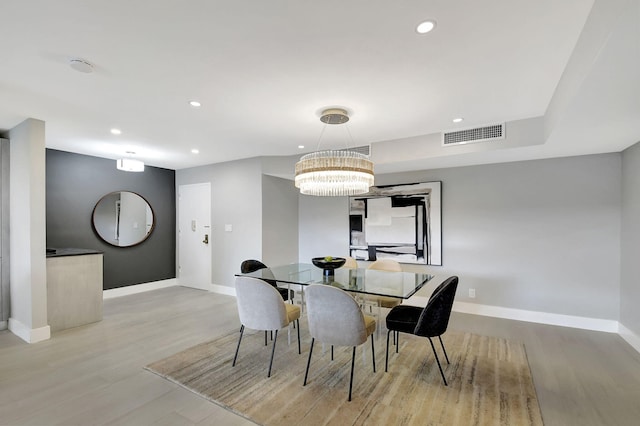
x=264, y=69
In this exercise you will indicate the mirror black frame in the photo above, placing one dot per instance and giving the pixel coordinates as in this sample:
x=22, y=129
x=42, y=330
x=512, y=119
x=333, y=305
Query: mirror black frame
x=97, y=232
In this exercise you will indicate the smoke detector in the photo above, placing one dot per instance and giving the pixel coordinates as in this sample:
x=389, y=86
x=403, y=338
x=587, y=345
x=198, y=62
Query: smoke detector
x=81, y=65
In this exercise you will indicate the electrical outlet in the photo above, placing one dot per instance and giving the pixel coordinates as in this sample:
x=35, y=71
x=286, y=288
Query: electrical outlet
x=472, y=293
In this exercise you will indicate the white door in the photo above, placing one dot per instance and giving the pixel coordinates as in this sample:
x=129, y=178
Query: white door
x=194, y=235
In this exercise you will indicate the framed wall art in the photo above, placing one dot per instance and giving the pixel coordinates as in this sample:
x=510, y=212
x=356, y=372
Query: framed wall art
x=400, y=222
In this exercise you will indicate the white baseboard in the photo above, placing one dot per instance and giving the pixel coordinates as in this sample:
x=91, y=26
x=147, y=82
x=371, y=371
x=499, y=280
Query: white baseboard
x=596, y=324
x=29, y=335
x=223, y=289
x=138, y=288
x=631, y=338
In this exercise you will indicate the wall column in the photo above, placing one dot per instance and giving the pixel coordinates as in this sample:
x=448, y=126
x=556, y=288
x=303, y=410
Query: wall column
x=27, y=221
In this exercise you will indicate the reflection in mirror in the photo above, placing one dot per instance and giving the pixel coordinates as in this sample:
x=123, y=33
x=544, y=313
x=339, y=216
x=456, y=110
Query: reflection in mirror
x=123, y=219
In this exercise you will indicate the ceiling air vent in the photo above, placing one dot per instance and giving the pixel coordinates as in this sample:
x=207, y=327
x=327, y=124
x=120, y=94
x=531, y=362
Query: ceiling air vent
x=365, y=149
x=479, y=134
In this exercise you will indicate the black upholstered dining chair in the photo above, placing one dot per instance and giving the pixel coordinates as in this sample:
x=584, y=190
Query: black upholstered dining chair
x=430, y=321
x=252, y=265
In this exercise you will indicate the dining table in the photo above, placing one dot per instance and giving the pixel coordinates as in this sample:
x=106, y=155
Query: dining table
x=401, y=285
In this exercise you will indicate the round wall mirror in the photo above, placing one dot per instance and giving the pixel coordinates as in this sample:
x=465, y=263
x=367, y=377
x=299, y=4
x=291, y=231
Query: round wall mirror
x=123, y=219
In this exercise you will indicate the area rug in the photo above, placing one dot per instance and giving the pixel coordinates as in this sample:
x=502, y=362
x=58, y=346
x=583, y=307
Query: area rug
x=489, y=381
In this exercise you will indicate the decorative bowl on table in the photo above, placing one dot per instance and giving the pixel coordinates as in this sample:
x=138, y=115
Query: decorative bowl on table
x=328, y=263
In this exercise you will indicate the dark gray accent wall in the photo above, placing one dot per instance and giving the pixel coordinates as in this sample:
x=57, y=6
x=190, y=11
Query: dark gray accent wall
x=76, y=182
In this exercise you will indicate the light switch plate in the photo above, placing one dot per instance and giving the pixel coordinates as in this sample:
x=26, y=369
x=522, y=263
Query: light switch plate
x=228, y=228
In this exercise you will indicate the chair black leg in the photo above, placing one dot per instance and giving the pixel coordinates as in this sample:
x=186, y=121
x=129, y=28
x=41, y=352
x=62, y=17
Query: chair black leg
x=265, y=337
x=397, y=340
x=386, y=355
x=438, y=361
x=444, y=350
x=331, y=352
x=273, y=351
x=298, y=328
x=353, y=361
x=373, y=354
x=238, y=347
x=306, y=373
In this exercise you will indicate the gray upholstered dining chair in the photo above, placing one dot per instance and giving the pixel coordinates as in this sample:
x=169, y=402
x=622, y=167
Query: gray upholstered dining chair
x=430, y=321
x=335, y=318
x=260, y=307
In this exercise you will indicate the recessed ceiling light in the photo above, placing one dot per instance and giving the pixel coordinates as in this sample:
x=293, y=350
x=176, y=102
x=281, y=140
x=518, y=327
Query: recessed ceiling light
x=116, y=131
x=425, y=27
x=458, y=120
x=195, y=151
x=195, y=104
x=301, y=146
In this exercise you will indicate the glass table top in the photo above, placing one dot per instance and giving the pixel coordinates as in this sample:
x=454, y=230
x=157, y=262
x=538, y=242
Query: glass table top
x=368, y=281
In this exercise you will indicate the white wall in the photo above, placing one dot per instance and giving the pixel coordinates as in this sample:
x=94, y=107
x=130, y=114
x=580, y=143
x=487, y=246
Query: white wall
x=4, y=244
x=538, y=235
x=236, y=200
x=630, y=265
x=28, y=275
x=324, y=227
x=279, y=221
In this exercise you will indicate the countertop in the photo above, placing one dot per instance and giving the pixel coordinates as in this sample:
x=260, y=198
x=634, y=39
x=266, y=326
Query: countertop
x=61, y=252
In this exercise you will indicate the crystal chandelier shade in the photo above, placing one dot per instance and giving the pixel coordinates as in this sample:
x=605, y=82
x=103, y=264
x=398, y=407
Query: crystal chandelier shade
x=334, y=172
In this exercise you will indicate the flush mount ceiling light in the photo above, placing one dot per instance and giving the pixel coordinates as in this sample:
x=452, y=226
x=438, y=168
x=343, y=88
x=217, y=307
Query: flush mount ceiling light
x=334, y=172
x=115, y=131
x=458, y=120
x=129, y=164
x=426, y=26
x=81, y=65
x=195, y=104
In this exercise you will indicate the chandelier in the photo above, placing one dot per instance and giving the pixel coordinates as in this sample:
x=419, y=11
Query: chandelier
x=335, y=172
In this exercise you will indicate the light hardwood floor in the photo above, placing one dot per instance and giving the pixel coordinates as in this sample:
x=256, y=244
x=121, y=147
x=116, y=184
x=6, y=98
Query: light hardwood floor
x=94, y=374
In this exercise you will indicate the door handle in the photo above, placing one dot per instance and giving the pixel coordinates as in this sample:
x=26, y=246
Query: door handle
x=206, y=239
